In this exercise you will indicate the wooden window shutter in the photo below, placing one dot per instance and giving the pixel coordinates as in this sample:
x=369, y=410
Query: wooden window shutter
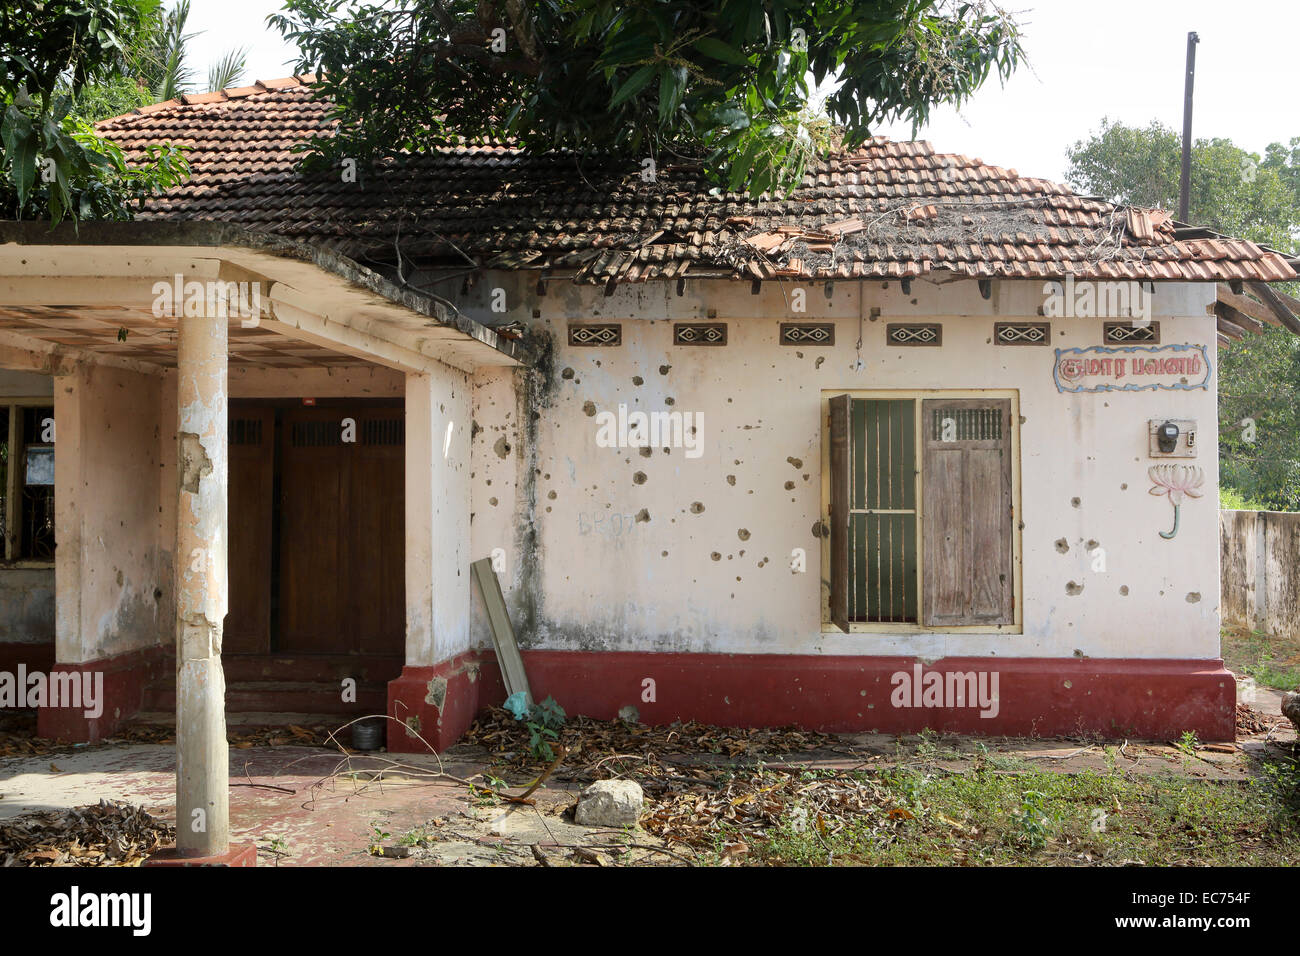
x=839, y=518
x=966, y=526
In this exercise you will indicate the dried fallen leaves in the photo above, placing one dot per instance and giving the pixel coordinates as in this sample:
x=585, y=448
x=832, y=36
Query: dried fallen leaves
x=1251, y=721
x=594, y=745
x=108, y=834
x=751, y=805
x=18, y=737
x=688, y=802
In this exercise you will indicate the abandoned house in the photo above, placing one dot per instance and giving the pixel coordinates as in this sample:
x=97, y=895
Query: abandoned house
x=925, y=444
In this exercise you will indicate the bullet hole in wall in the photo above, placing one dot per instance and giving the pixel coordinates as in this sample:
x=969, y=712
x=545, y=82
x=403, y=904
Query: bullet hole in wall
x=1062, y=545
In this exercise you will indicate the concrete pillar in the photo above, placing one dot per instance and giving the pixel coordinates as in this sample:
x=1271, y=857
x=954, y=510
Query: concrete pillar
x=439, y=419
x=202, y=757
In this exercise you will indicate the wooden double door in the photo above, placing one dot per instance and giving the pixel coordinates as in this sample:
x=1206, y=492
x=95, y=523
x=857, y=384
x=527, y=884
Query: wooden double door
x=317, y=524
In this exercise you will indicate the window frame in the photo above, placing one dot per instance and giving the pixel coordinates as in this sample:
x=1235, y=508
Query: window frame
x=13, y=484
x=917, y=396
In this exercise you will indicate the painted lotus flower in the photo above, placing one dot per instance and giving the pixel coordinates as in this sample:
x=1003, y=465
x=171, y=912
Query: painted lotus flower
x=1176, y=482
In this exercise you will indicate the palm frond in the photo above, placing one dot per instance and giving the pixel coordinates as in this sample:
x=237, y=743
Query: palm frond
x=228, y=70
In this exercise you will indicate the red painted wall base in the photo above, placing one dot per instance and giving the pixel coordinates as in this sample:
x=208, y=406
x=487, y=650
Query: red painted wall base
x=1045, y=697
x=125, y=678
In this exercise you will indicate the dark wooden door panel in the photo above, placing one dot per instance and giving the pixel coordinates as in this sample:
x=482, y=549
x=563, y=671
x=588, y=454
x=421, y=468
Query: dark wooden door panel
x=313, y=583
x=966, y=527
x=376, y=532
x=251, y=477
x=342, y=544
x=990, y=538
x=944, y=537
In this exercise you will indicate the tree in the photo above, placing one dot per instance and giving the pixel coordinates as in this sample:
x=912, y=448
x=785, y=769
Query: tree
x=725, y=83
x=1237, y=193
x=154, y=66
x=52, y=164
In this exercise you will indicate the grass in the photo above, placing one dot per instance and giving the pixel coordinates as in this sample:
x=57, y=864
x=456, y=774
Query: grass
x=1271, y=661
x=1019, y=815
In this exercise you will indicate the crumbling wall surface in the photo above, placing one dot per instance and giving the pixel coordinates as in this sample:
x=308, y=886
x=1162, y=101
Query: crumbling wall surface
x=1261, y=571
x=690, y=548
x=26, y=606
x=113, y=564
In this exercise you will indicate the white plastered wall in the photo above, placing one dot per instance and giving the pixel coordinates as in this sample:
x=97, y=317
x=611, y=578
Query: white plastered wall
x=113, y=563
x=598, y=578
x=438, y=426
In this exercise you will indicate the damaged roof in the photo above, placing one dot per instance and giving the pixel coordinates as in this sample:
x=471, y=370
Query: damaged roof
x=887, y=210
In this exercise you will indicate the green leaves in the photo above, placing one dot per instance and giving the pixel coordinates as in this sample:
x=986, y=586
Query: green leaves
x=634, y=85
x=716, y=49
x=725, y=83
x=52, y=164
x=20, y=145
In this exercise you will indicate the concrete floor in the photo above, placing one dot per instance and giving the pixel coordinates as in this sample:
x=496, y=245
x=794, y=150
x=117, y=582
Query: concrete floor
x=327, y=817
x=326, y=813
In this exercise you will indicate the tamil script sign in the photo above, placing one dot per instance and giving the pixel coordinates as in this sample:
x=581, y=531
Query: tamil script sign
x=1131, y=368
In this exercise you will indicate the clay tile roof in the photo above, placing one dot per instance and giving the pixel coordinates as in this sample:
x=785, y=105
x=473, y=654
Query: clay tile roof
x=887, y=209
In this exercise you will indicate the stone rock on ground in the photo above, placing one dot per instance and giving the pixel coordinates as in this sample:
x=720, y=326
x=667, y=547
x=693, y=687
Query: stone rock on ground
x=610, y=803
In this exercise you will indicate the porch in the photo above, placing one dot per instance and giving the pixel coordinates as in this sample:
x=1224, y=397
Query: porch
x=262, y=450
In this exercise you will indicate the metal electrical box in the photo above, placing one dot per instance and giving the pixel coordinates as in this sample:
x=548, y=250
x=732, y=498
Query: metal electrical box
x=1184, y=445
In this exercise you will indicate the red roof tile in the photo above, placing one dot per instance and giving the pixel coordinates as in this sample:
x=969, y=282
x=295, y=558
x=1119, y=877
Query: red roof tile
x=886, y=209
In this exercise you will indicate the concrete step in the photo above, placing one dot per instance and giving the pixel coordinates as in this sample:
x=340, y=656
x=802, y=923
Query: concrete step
x=304, y=667
x=251, y=720
x=274, y=696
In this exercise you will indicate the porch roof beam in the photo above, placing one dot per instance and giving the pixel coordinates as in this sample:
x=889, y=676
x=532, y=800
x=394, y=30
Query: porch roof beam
x=307, y=327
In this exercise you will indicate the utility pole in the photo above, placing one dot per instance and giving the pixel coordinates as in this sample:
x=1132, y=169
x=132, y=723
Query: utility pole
x=1185, y=177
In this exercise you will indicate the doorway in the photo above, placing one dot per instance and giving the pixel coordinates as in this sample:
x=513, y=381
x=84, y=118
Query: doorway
x=317, y=524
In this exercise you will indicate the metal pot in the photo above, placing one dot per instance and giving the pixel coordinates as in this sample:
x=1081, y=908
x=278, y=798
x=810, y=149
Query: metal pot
x=368, y=734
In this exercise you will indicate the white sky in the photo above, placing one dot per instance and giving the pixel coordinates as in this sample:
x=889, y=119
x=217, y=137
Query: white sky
x=1122, y=59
